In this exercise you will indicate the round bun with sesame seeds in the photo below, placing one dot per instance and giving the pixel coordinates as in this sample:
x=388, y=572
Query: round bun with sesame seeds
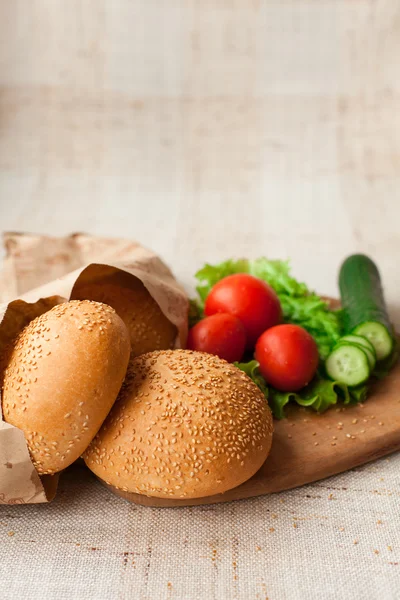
x=63, y=375
x=148, y=327
x=185, y=425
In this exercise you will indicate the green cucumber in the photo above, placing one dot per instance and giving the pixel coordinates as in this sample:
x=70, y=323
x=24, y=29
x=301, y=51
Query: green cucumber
x=379, y=337
x=358, y=339
x=364, y=307
x=365, y=344
x=348, y=364
x=370, y=356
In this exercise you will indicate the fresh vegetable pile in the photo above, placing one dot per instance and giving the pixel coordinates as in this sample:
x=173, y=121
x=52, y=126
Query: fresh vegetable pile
x=287, y=338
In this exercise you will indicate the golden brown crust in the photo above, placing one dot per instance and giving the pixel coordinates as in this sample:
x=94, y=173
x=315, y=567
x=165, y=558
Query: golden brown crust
x=63, y=376
x=185, y=425
x=148, y=327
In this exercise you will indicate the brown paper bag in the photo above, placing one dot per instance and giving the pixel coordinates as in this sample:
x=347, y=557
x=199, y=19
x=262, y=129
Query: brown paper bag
x=19, y=481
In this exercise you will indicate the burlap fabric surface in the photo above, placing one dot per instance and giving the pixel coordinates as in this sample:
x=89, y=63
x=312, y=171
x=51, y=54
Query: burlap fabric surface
x=339, y=538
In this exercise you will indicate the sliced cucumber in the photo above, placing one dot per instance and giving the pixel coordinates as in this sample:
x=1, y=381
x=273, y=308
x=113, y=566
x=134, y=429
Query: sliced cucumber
x=363, y=343
x=358, y=339
x=363, y=303
x=348, y=363
x=379, y=337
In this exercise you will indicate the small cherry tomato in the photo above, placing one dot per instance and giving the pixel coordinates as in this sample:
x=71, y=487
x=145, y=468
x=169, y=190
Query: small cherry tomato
x=249, y=299
x=220, y=334
x=288, y=357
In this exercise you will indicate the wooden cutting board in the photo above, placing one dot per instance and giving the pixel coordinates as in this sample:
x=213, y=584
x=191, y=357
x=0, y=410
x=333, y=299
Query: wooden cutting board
x=307, y=447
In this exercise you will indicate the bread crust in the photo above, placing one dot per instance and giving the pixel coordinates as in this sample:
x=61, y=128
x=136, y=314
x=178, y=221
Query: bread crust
x=63, y=375
x=148, y=327
x=185, y=425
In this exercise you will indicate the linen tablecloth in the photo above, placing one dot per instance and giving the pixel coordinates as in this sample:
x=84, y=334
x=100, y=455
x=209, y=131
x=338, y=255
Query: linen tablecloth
x=88, y=544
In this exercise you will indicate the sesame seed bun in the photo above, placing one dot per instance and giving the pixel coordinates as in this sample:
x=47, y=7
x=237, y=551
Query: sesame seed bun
x=185, y=425
x=63, y=375
x=148, y=327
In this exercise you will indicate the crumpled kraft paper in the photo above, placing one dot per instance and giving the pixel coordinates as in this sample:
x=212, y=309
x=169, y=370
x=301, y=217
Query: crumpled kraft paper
x=32, y=258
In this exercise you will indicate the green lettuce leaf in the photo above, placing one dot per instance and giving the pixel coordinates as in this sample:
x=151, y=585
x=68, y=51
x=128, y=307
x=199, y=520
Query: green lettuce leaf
x=319, y=395
x=359, y=394
x=277, y=274
x=251, y=369
x=209, y=275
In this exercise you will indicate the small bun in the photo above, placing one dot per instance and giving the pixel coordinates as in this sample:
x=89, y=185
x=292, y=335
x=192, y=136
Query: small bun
x=63, y=375
x=185, y=425
x=148, y=327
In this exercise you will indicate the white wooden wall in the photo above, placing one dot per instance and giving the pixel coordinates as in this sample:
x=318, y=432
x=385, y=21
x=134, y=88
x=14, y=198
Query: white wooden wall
x=207, y=129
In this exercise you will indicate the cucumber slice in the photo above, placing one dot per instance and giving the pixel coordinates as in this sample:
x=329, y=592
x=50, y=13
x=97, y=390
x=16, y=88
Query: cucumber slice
x=348, y=364
x=379, y=337
x=364, y=344
x=370, y=355
x=364, y=307
x=358, y=339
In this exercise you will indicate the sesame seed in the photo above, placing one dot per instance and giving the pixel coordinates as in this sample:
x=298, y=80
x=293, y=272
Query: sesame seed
x=236, y=431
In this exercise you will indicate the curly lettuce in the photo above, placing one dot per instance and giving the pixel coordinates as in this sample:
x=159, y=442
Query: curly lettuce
x=319, y=395
x=300, y=306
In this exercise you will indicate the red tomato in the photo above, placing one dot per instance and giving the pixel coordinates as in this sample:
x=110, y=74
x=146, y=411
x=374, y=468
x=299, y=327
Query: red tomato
x=288, y=357
x=250, y=299
x=221, y=334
